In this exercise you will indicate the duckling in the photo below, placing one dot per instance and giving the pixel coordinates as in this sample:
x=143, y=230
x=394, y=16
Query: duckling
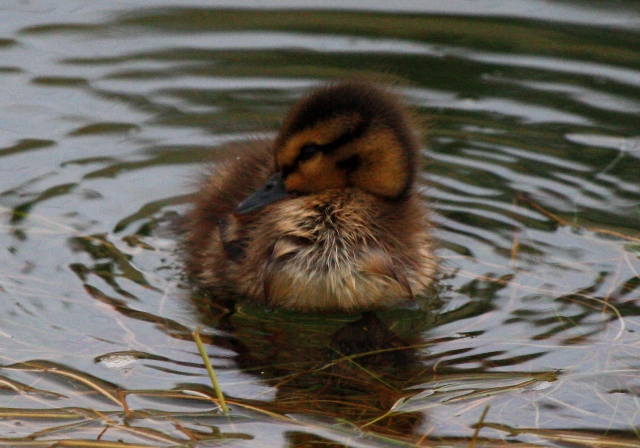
x=323, y=218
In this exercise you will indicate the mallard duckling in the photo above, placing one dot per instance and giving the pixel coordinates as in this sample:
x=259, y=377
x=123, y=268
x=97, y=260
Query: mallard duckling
x=325, y=217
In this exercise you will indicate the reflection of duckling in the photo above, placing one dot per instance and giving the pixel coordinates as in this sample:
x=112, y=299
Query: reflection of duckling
x=327, y=219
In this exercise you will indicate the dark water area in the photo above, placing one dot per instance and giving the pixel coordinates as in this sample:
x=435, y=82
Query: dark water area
x=531, y=145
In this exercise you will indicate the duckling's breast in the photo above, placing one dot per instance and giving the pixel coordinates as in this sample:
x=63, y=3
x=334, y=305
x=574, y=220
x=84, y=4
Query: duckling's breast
x=334, y=250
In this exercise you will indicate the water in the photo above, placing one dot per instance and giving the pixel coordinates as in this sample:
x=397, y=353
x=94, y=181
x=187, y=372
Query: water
x=531, y=163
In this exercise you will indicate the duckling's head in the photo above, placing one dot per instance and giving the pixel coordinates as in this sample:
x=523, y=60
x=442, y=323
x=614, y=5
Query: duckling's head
x=348, y=134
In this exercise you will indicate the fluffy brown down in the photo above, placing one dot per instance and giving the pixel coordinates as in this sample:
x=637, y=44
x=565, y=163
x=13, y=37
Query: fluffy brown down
x=342, y=248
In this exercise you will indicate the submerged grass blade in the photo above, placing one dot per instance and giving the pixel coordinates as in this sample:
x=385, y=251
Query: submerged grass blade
x=104, y=388
x=212, y=373
x=48, y=414
x=568, y=436
x=23, y=388
x=82, y=443
x=479, y=426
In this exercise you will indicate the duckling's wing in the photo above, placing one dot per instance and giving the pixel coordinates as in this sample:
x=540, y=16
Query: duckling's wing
x=376, y=262
x=283, y=249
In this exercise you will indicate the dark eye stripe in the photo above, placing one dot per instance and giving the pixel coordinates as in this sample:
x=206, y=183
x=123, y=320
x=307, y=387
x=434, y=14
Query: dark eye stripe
x=345, y=138
x=307, y=152
x=311, y=149
x=286, y=170
x=349, y=165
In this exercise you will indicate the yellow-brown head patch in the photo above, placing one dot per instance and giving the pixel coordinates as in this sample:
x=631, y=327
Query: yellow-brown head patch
x=347, y=134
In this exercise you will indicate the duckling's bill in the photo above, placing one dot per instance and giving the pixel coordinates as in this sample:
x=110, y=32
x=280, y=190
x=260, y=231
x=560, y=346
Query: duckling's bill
x=271, y=191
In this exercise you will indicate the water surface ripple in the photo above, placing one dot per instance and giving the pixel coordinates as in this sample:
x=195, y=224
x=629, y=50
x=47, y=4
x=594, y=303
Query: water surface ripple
x=531, y=149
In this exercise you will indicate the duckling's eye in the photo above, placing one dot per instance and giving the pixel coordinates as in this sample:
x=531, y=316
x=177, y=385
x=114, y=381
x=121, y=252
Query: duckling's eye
x=307, y=152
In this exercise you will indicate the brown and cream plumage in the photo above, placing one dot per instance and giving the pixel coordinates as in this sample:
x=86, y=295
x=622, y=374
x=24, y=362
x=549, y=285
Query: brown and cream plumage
x=325, y=217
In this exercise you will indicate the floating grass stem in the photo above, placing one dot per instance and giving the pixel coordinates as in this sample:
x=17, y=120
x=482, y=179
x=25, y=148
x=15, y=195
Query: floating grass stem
x=212, y=373
x=479, y=426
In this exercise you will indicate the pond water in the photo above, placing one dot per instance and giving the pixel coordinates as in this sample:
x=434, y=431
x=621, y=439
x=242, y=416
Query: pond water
x=531, y=163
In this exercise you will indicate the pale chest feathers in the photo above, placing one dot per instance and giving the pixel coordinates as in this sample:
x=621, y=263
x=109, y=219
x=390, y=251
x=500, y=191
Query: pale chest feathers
x=329, y=253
